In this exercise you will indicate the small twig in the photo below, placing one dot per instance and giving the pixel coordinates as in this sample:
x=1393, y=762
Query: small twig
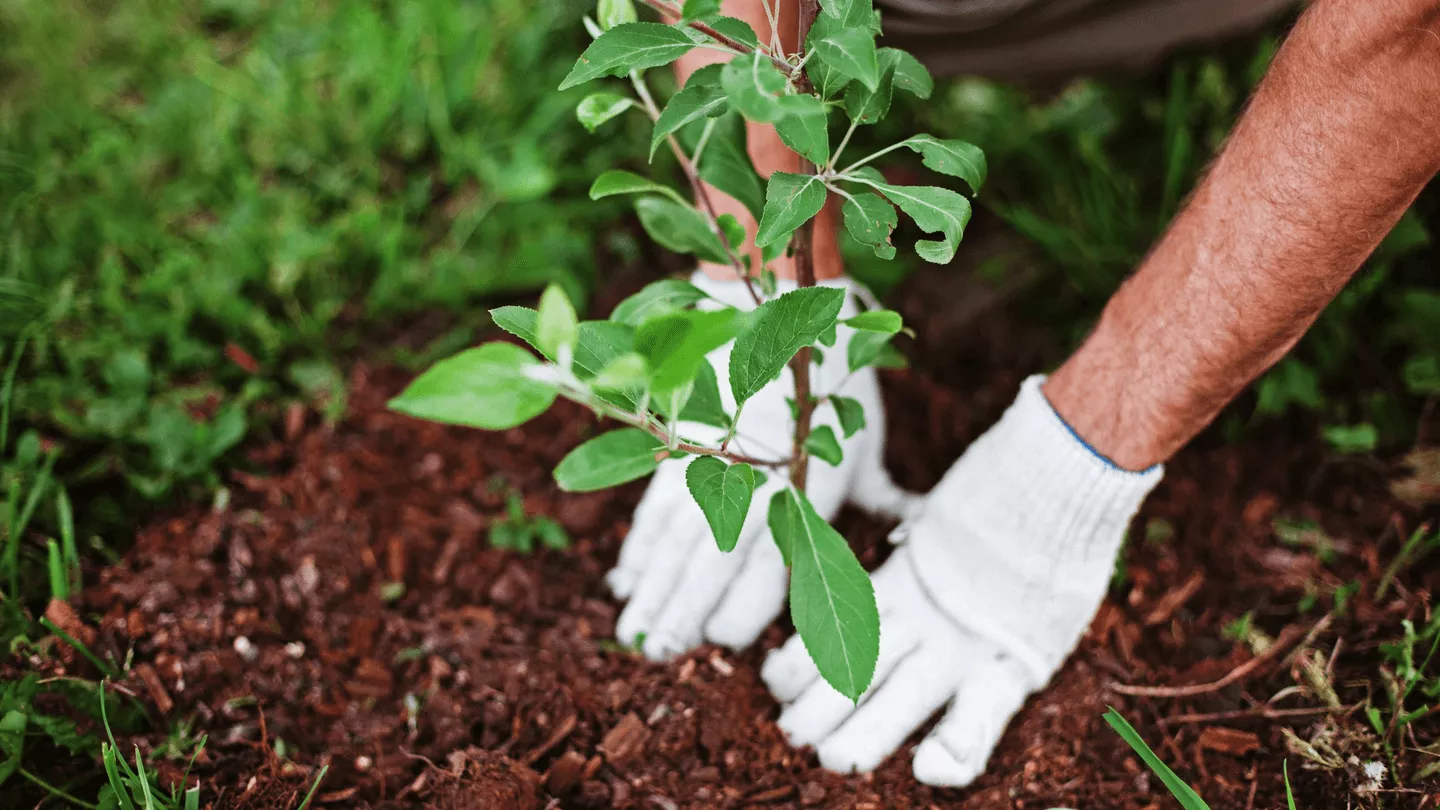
x=1256, y=712
x=1287, y=638
x=661, y=432
x=556, y=737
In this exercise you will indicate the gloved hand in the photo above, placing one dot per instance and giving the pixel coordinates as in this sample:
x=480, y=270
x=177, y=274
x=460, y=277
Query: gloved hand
x=996, y=580
x=682, y=589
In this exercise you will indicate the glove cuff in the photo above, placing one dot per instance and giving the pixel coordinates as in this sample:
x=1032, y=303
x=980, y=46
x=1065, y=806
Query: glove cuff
x=1032, y=519
x=732, y=292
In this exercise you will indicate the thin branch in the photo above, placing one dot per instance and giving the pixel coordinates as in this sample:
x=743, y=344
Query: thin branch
x=660, y=431
x=804, y=277
x=674, y=12
x=1287, y=638
x=844, y=142
x=701, y=193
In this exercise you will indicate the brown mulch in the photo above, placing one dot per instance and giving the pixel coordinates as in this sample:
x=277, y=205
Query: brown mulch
x=346, y=603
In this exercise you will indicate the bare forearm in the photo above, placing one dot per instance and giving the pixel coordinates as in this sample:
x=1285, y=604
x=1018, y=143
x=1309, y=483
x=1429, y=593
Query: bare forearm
x=1339, y=139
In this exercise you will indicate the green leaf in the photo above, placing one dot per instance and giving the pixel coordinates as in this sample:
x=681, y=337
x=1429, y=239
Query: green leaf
x=699, y=10
x=600, y=342
x=1352, y=439
x=64, y=733
x=657, y=298
x=619, y=181
x=777, y=330
x=754, y=86
x=870, y=219
x=734, y=232
x=790, y=201
x=832, y=602
x=823, y=445
x=954, y=158
x=701, y=97
x=723, y=493
x=803, y=129
x=680, y=228
x=705, y=405
x=609, y=460
x=877, y=320
x=866, y=106
x=850, y=53
x=628, y=46
x=828, y=77
x=726, y=166
x=628, y=372
x=827, y=338
x=556, y=325
x=1183, y=793
x=851, y=414
x=12, y=742
x=865, y=349
x=737, y=29
x=935, y=210
x=484, y=387
x=910, y=75
x=676, y=344
x=597, y=108
x=615, y=12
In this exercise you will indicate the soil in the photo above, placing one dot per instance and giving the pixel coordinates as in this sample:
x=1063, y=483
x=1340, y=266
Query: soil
x=344, y=608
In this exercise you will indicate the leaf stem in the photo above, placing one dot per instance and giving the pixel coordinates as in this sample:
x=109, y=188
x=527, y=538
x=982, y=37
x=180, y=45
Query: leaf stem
x=861, y=162
x=844, y=142
x=687, y=165
x=659, y=430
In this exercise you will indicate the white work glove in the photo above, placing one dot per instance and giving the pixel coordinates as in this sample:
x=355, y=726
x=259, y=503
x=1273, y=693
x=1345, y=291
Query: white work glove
x=997, y=578
x=682, y=589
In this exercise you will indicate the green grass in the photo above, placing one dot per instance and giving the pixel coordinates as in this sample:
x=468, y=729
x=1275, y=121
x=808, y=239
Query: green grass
x=182, y=178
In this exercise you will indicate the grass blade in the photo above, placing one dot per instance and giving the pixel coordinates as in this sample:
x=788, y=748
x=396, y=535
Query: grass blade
x=314, y=787
x=55, y=564
x=1183, y=793
x=144, y=781
x=1289, y=794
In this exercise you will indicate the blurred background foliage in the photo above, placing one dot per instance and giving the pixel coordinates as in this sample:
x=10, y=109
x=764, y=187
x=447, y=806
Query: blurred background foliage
x=206, y=205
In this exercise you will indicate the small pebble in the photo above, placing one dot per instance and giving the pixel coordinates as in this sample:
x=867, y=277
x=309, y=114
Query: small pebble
x=246, y=649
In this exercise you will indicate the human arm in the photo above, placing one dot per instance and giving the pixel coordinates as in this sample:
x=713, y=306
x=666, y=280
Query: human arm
x=1338, y=140
x=1003, y=570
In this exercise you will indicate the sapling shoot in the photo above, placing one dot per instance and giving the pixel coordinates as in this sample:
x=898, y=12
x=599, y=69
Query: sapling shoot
x=645, y=366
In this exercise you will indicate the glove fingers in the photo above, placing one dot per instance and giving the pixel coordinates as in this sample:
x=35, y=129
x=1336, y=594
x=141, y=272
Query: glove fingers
x=652, y=522
x=955, y=753
x=788, y=670
x=919, y=686
x=707, y=574
x=753, y=599
x=659, y=580
x=820, y=709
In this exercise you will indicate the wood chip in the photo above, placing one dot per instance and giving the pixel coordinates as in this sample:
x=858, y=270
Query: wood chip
x=1231, y=741
x=626, y=740
x=773, y=795
x=565, y=774
x=155, y=687
x=1174, y=600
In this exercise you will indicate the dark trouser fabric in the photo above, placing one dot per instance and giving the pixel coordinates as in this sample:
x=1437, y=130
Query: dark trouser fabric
x=1056, y=38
